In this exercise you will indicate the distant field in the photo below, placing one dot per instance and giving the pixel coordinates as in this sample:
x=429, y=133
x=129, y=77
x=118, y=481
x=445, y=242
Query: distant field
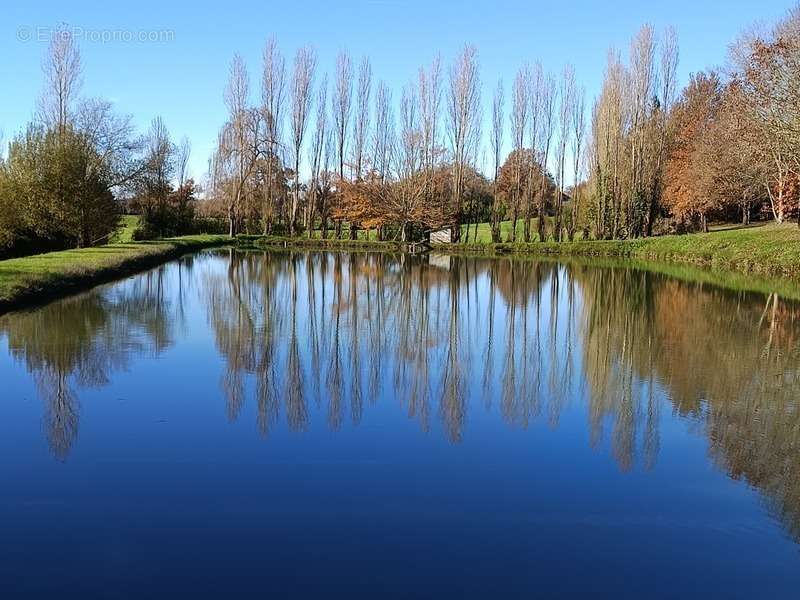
x=124, y=235
x=765, y=249
x=485, y=231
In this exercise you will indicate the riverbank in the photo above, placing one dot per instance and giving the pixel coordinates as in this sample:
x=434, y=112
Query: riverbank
x=767, y=250
x=759, y=252
x=36, y=279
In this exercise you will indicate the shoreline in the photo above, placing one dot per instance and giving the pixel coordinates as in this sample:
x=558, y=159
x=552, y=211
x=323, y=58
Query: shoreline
x=35, y=280
x=762, y=259
x=731, y=266
x=766, y=251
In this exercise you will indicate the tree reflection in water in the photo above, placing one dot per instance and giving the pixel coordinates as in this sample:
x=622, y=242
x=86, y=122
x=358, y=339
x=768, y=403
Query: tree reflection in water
x=531, y=336
x=447, y=336
x=81, y=341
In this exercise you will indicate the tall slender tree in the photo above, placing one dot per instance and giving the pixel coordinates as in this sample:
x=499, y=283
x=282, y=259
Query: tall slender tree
x=273, y=97
x=62, y=80
x=519, y=120
x=341, y=107
x=361, y=122
x=464, y=110
x=498, y=105
x=305, y=62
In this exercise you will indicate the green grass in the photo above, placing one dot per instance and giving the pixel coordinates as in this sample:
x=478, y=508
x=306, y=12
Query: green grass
x=37, y=278
x=124, y=235
x=484, y=234
x=769, y=250
x=766, y=250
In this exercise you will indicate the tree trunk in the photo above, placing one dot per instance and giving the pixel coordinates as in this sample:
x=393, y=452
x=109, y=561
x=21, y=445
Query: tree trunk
x=512, y=234
x=526, y=228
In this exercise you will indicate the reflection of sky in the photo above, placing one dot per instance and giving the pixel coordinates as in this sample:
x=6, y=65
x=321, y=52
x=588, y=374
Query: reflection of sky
x=159, y=476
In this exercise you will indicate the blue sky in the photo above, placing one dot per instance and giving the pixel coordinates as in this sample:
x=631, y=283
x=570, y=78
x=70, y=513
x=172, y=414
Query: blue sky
x=182, y=79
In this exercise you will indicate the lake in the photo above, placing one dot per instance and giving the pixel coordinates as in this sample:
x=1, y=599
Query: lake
x=283, y=424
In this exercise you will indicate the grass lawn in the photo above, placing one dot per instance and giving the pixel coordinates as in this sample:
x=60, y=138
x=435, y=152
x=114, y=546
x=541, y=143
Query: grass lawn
x=124, y=235
x=772, y=250
x=765, y=249
x=484, y=235
x=44, y=276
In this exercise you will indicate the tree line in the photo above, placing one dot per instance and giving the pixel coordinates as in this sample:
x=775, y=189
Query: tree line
x=332, y=156
x=311, y=153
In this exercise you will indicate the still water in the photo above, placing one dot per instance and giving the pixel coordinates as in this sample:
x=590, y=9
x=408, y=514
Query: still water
x=285, y=424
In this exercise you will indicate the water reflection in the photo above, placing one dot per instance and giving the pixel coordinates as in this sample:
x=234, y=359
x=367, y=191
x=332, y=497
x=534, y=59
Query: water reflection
x=451, y=339
x=80, y=342
x=730, y=361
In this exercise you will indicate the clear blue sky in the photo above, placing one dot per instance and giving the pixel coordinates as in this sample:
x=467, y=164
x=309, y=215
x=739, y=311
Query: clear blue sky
x=182, y=80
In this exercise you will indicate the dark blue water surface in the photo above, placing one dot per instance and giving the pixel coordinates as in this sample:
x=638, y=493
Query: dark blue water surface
x=279, y=425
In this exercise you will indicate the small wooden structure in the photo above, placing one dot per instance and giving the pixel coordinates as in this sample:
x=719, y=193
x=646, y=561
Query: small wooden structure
x=442, y=236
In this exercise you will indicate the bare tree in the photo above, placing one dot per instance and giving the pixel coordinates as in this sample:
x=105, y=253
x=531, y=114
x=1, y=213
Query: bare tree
x=519, y=120
x=305, y=63
x=640, y=88
x=578, y=122
x=155, y=180
x=608, y=118
x=668, y=76
x=340, y=108
x=115, y=148
x=384, y=127
x=405, y=198
x=160, y=156
x=361, y=124
x=548, y=124
x=62, y=76
x=273, y=96
x=498, y=104
x=534, y=125
x=184, y=151
x=316, y=156
x=565, y=108
x=236, y=97
x=430, y=101
x=464, y=107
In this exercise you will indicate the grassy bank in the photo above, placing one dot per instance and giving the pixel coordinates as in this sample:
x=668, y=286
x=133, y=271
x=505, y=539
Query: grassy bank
x=769, y=250
x=36, y=279
x=766, y=250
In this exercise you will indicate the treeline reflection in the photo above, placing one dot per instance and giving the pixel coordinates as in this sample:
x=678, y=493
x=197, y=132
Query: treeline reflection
x=443, y=335
x=80, y=342
x=307, y=334
x=730, y=361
